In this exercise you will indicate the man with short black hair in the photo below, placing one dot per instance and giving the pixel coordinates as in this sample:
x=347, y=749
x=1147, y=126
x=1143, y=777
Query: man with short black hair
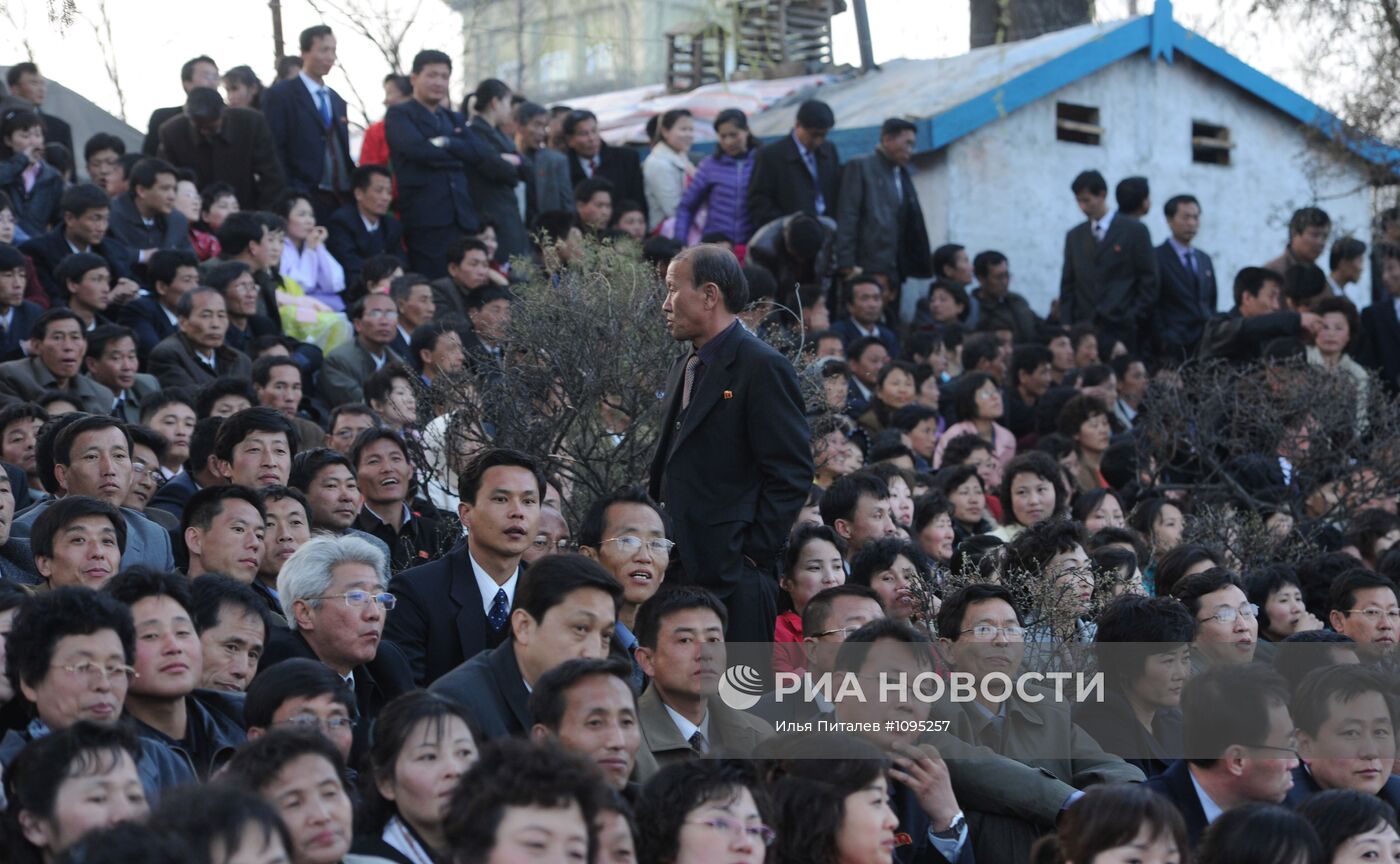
x=200, y=71
x=1028, y=379
x=468, y=269
x=224, y=145
x=857, y=507
x=112, y=362
x=384, y=472
x=56, y=348
x=588, y=707
x=365, y=228
x=17, y=315
x=413, y=297
x=232, y=623
x=1346, y=734
x=201, y=727
x=145, y=218
x=342, y=377
x=172, y=273
x=863, y=297
x=800, y=172
x=1241, y=334
x=436, y=352
x=28, y=83
x=998, y=307
x=880, y=223
x=593, y=204
x=87, y=282
x=459, y=605
x=102, y=153
x=327, y=478
x=80, y=542
x=86, y=214
x=346, y=423
x=277, y=381
x=196, y=354
x=1187, y=291
x=564, y=611
x=488, y=311
x=254, y=448
x=195, y=472
x=590, y=156
x=1227, y=624
x=1308, y=230
x=1109, y=277
x=681, y=636
x=1134, y=196
x=1362, y=606
x=309, y=126
x=298, y=693
x=223, y=529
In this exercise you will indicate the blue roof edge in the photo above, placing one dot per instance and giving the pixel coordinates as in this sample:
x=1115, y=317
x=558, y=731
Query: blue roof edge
x=1161, y=36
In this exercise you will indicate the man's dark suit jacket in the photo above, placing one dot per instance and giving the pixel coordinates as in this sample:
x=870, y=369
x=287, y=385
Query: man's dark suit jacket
x=1114, y=726
x=1380, y=341
x=151, y=144
x=846, y=329
x=1240, y=339
x=170, y=231
x=241, y=154
x=376, y=682
x=174, y=364
x=21, y=322
x=1112, y=283
x=490, y=686
x=300, y=135
x=175, y=494
x=732, y=471
x=1185, y=302
x=620, y=166
x=148, y=321
x=1175, y=785
x=432, y=180
x=47, y=250
x=350, y=242
x=781, y=184
x=439, y=622
x=58, y=131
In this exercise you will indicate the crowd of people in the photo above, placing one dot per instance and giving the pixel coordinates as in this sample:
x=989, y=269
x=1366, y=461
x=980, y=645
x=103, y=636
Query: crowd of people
x=244, y=618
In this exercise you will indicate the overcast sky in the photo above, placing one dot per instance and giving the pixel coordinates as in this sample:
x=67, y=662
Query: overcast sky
x=152, y=38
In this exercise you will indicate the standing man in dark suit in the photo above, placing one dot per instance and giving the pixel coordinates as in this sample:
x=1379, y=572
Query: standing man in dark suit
x=1186, y=295
x=1237, y=728
x=1110, y=271
x=430, y=147
x=454, y=608
x=733, y=463
x=880, y=227
x=590, y=156
x=799, y=173
x=27, y=82
x=225, y=145
x=308, y=123
x=365, y=228
x=201, y=71
x=1380, y=322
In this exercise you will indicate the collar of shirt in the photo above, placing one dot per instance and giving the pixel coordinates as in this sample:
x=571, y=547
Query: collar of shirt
x=75, y=249
x=624, y=636
x=407, y=336
x=1211, y=810
x=862, y=330
x=170, y=316
x=1180, y=249
x=488, y=587
x=314, y=89
x=688, y=729
x=801, y=150
x=407, y=516
x=369, y=226
x=710, y=350
x=206, y=357
x=1106, y=222
x=379, y=359
x=349, y=681
x=7, y=316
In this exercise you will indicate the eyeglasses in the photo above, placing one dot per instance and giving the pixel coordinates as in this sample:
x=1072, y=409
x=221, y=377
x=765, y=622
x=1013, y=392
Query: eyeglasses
x=140, y=469
x=759, y=833
x=325, y=724
x=95, y=673
x=986, y=631
x=1228, y=615
x=356, y=599
x=1374, y=615
x=543, y=543
x=629, y=545
x=381, y=313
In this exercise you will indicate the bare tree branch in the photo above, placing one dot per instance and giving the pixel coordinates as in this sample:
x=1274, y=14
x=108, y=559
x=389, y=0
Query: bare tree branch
x=102, y=32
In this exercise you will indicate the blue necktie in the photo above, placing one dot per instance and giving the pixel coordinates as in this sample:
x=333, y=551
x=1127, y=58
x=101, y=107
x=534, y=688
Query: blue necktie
x=500, y=612
x=811, y=159
x=325, y=106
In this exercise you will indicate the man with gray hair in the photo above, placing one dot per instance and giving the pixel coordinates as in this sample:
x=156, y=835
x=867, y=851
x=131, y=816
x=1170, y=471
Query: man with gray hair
x=733, y=464
x=334, y=597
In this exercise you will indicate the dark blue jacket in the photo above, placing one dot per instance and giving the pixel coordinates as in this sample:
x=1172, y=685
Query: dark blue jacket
x=38, y=208
x=300, y=134
x=47, y=250
x=350, y=242
x=21, y=322
x=848, y=332
x=491, y=687
x=214, y=721
x=148, y=321
x=1185, y=302
x=1175, y=785
x=432, y=180
x=175, y=494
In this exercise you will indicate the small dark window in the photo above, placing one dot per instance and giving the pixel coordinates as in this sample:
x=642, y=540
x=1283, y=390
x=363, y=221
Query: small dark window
x=1078, y=124
x=1210, y=144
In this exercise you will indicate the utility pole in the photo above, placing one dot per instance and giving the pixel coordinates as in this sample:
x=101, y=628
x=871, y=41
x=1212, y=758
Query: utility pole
x=277, y=53
x=867, y=53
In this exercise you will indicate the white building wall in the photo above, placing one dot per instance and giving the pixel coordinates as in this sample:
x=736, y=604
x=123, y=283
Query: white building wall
x=1006, y=186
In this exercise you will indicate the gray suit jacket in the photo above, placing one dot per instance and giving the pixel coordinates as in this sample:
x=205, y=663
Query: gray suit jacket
x=173, y=363
x=171, y=231
x=131, y=403
x=23, y=381
x=147, y=544
x=1112, y=283
x=732, y=734
x=344, y=372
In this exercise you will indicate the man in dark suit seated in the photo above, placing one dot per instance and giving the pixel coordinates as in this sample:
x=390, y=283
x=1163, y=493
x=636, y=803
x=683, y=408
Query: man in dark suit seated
x=17, y=315
x=1187, y=289
x=197, y=472
x=799, y=173
x=1346, y=734
x=564, y=610
x=172, y=272
x=224, y=145
x=865, y=307
x=1380, y=322
x=56, y=348
x=589, y=156
x=111, y=361
x=587, y=706
x=455, y=607
x=1109, y=277
x=335, y=600
x=366, y=228
x=1239, y=735
x=145, y=218
x=711, y=457
x=309, y=125
x=196, y=354
x=86, y=211
x=468, y=269
x=200, y=71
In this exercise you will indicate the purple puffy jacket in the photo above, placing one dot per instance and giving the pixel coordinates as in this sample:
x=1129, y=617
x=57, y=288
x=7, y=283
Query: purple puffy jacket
x=721, y=183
